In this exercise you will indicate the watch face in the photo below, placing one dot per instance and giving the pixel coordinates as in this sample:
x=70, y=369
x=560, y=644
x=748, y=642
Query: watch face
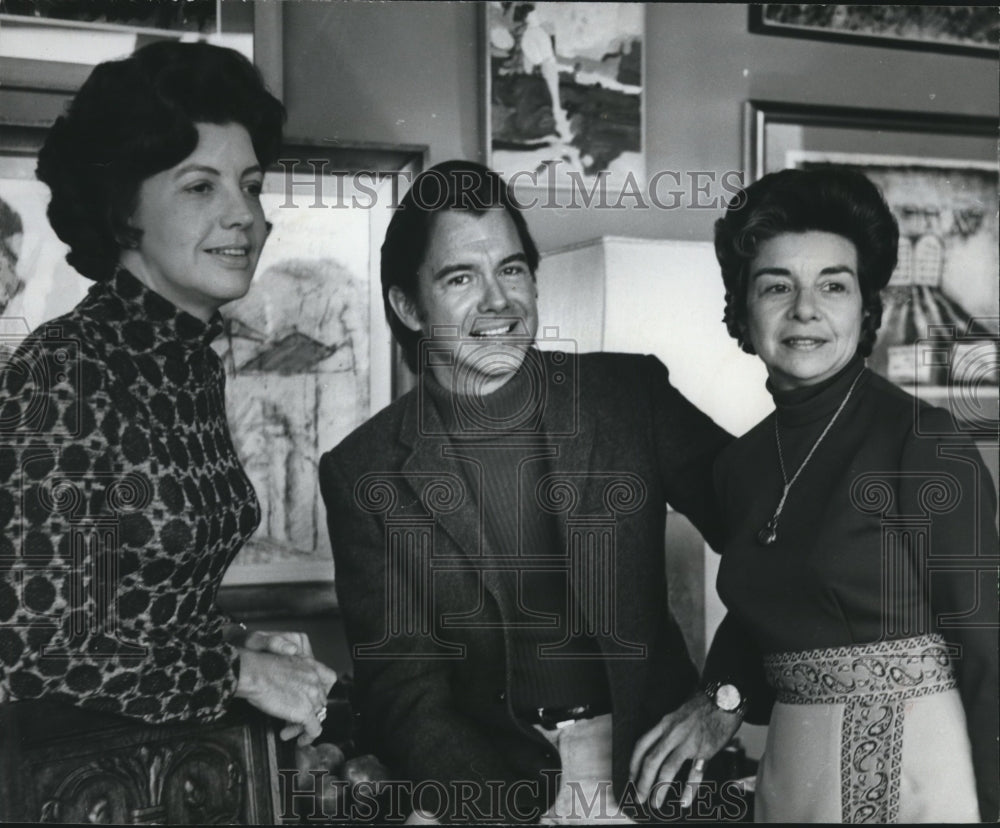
x=727, y=697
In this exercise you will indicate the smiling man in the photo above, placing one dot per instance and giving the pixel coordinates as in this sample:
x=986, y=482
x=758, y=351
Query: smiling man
x=498, y=535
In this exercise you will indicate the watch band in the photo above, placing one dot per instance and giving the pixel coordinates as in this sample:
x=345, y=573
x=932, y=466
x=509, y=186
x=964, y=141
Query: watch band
x=726, y=697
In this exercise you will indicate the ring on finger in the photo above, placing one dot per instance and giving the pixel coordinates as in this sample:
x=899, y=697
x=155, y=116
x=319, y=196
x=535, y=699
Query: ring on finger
x=699, y=766
x=321, y=714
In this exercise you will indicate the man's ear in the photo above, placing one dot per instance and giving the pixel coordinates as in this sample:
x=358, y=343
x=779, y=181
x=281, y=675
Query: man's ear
x=405, y=308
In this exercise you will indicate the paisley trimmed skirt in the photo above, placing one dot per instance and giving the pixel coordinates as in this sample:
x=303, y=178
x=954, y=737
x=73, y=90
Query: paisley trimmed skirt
x=873, y=733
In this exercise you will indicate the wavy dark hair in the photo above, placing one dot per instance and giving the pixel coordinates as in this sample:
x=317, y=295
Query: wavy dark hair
x=136, y=117
x=451, y=185
x=832, y=200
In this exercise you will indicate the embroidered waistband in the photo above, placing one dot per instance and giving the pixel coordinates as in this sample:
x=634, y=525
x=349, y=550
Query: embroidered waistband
x=882, y=671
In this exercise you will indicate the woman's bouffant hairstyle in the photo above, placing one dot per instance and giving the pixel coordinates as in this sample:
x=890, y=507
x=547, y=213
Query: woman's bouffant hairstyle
x=136, y=117
x=451, y=185
x=831, y=200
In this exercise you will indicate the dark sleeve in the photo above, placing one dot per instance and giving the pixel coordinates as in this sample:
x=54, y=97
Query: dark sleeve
x=948, y=481
x=688, y=442
x=405, y=698
x=733, y=658
x=76, y=587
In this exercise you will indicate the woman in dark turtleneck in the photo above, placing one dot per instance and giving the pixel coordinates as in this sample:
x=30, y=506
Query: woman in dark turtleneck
x=846, y=511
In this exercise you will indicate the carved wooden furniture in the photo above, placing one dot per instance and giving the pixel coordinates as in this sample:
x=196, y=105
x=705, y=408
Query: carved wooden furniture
x=62, y=764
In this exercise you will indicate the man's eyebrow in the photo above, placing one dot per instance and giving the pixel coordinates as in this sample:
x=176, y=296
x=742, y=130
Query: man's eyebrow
x=447, y=270
x=784, y=271
x=514, y=257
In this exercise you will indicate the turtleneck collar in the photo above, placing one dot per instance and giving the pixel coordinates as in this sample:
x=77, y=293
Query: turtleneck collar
x=515, y=407
x=798, y=406
x=152, y=320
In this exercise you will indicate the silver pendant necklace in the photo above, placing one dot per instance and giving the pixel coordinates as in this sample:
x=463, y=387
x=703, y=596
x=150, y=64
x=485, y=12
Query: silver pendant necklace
x=769, y=534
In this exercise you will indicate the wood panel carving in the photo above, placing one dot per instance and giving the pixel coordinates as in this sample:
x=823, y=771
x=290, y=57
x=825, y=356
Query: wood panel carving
x=128, y=774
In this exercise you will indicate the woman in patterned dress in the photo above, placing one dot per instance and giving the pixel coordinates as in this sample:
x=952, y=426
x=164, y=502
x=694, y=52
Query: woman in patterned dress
x=123, y=500
x=861, y=539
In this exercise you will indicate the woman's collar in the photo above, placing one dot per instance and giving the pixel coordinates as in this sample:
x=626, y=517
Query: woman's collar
x=165, y=321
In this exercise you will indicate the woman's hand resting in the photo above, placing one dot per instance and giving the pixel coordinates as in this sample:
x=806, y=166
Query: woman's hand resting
x=279, y=676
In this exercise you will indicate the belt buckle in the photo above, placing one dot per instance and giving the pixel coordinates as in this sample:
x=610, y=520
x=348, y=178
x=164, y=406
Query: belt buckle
x=575, y=714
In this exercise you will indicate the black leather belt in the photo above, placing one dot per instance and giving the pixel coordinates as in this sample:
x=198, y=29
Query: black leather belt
x=552, y=718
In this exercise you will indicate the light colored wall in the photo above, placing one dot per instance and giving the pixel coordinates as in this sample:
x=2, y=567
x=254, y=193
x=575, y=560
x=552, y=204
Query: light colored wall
x=409, y=72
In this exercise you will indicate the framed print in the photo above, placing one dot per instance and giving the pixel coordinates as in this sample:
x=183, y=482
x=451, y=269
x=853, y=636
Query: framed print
x=939, y=175
x=74, y=37
x=307, y=351
x=564, y=93
x=36, y=283
x=965, y=30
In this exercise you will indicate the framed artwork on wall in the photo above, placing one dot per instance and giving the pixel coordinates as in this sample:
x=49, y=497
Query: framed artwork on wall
x=939, y=174
x=36, y=283
x=307, y=351
x=51, y=48
x=308, y=356
x=563, y=93
x=964, y=30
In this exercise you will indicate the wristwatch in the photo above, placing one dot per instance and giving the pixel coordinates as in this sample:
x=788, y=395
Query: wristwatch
x=726, y=697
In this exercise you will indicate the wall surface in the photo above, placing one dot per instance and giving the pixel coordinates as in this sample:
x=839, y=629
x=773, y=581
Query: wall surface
x=409, y=73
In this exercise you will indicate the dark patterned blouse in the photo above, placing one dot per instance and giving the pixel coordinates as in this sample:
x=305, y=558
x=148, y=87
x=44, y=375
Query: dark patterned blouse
x=122, y=504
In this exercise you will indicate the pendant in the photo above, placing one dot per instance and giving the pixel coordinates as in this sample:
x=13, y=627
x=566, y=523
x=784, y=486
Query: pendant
x=769, y=534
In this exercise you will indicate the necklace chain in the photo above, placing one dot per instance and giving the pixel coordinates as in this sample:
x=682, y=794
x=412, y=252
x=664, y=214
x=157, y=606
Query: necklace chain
x=769, y=534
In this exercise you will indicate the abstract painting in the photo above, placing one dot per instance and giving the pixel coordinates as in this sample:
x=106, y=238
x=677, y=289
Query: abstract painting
x=564, y=96
x=971, y=30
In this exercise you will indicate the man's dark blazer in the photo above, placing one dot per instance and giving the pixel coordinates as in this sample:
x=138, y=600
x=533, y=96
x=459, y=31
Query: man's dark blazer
x=627, y=443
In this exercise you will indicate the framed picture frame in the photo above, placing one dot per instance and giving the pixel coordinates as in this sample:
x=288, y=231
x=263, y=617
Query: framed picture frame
x=36, y=283
x=939, y=174
x=255, y=29
x=961, y=30
x=308, y=353
x=563, y=93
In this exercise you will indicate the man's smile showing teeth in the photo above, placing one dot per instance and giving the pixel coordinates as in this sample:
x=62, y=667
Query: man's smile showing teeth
x=498, y=330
